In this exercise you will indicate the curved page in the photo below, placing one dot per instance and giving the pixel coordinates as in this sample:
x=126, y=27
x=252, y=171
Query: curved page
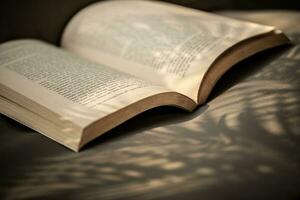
x=67, y=91
x=168, y=45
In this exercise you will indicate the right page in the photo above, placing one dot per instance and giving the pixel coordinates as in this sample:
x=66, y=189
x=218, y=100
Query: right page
x=162, y=43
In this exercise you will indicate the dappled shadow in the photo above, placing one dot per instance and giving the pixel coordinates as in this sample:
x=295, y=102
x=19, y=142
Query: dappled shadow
x=244, y=144
x=246, y=135
x=156, y=117
x=242, y=70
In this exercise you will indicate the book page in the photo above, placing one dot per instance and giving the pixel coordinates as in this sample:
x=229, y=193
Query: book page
x=61, y=87
x=162, y=43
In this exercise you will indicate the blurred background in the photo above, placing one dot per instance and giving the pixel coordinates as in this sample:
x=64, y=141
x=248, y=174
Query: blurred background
x=243, y=144
x=45, y=19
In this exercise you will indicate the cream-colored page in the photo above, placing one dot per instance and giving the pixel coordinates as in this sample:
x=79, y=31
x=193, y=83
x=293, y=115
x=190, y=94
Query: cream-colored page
x=162, y=43
x=43, y=78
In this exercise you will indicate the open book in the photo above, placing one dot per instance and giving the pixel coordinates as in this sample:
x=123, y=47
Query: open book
x=118, y=59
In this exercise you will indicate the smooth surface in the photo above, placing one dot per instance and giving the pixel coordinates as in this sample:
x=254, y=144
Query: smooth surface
x=244, y=144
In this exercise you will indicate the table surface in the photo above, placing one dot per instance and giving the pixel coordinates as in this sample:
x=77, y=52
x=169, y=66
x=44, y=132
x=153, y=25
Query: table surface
x=244, y=143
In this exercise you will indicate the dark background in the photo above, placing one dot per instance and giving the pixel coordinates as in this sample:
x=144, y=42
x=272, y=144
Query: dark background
x=214, y=158
x=45, y=19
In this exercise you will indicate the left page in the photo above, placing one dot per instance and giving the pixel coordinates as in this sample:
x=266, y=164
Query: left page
x=63, y=89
